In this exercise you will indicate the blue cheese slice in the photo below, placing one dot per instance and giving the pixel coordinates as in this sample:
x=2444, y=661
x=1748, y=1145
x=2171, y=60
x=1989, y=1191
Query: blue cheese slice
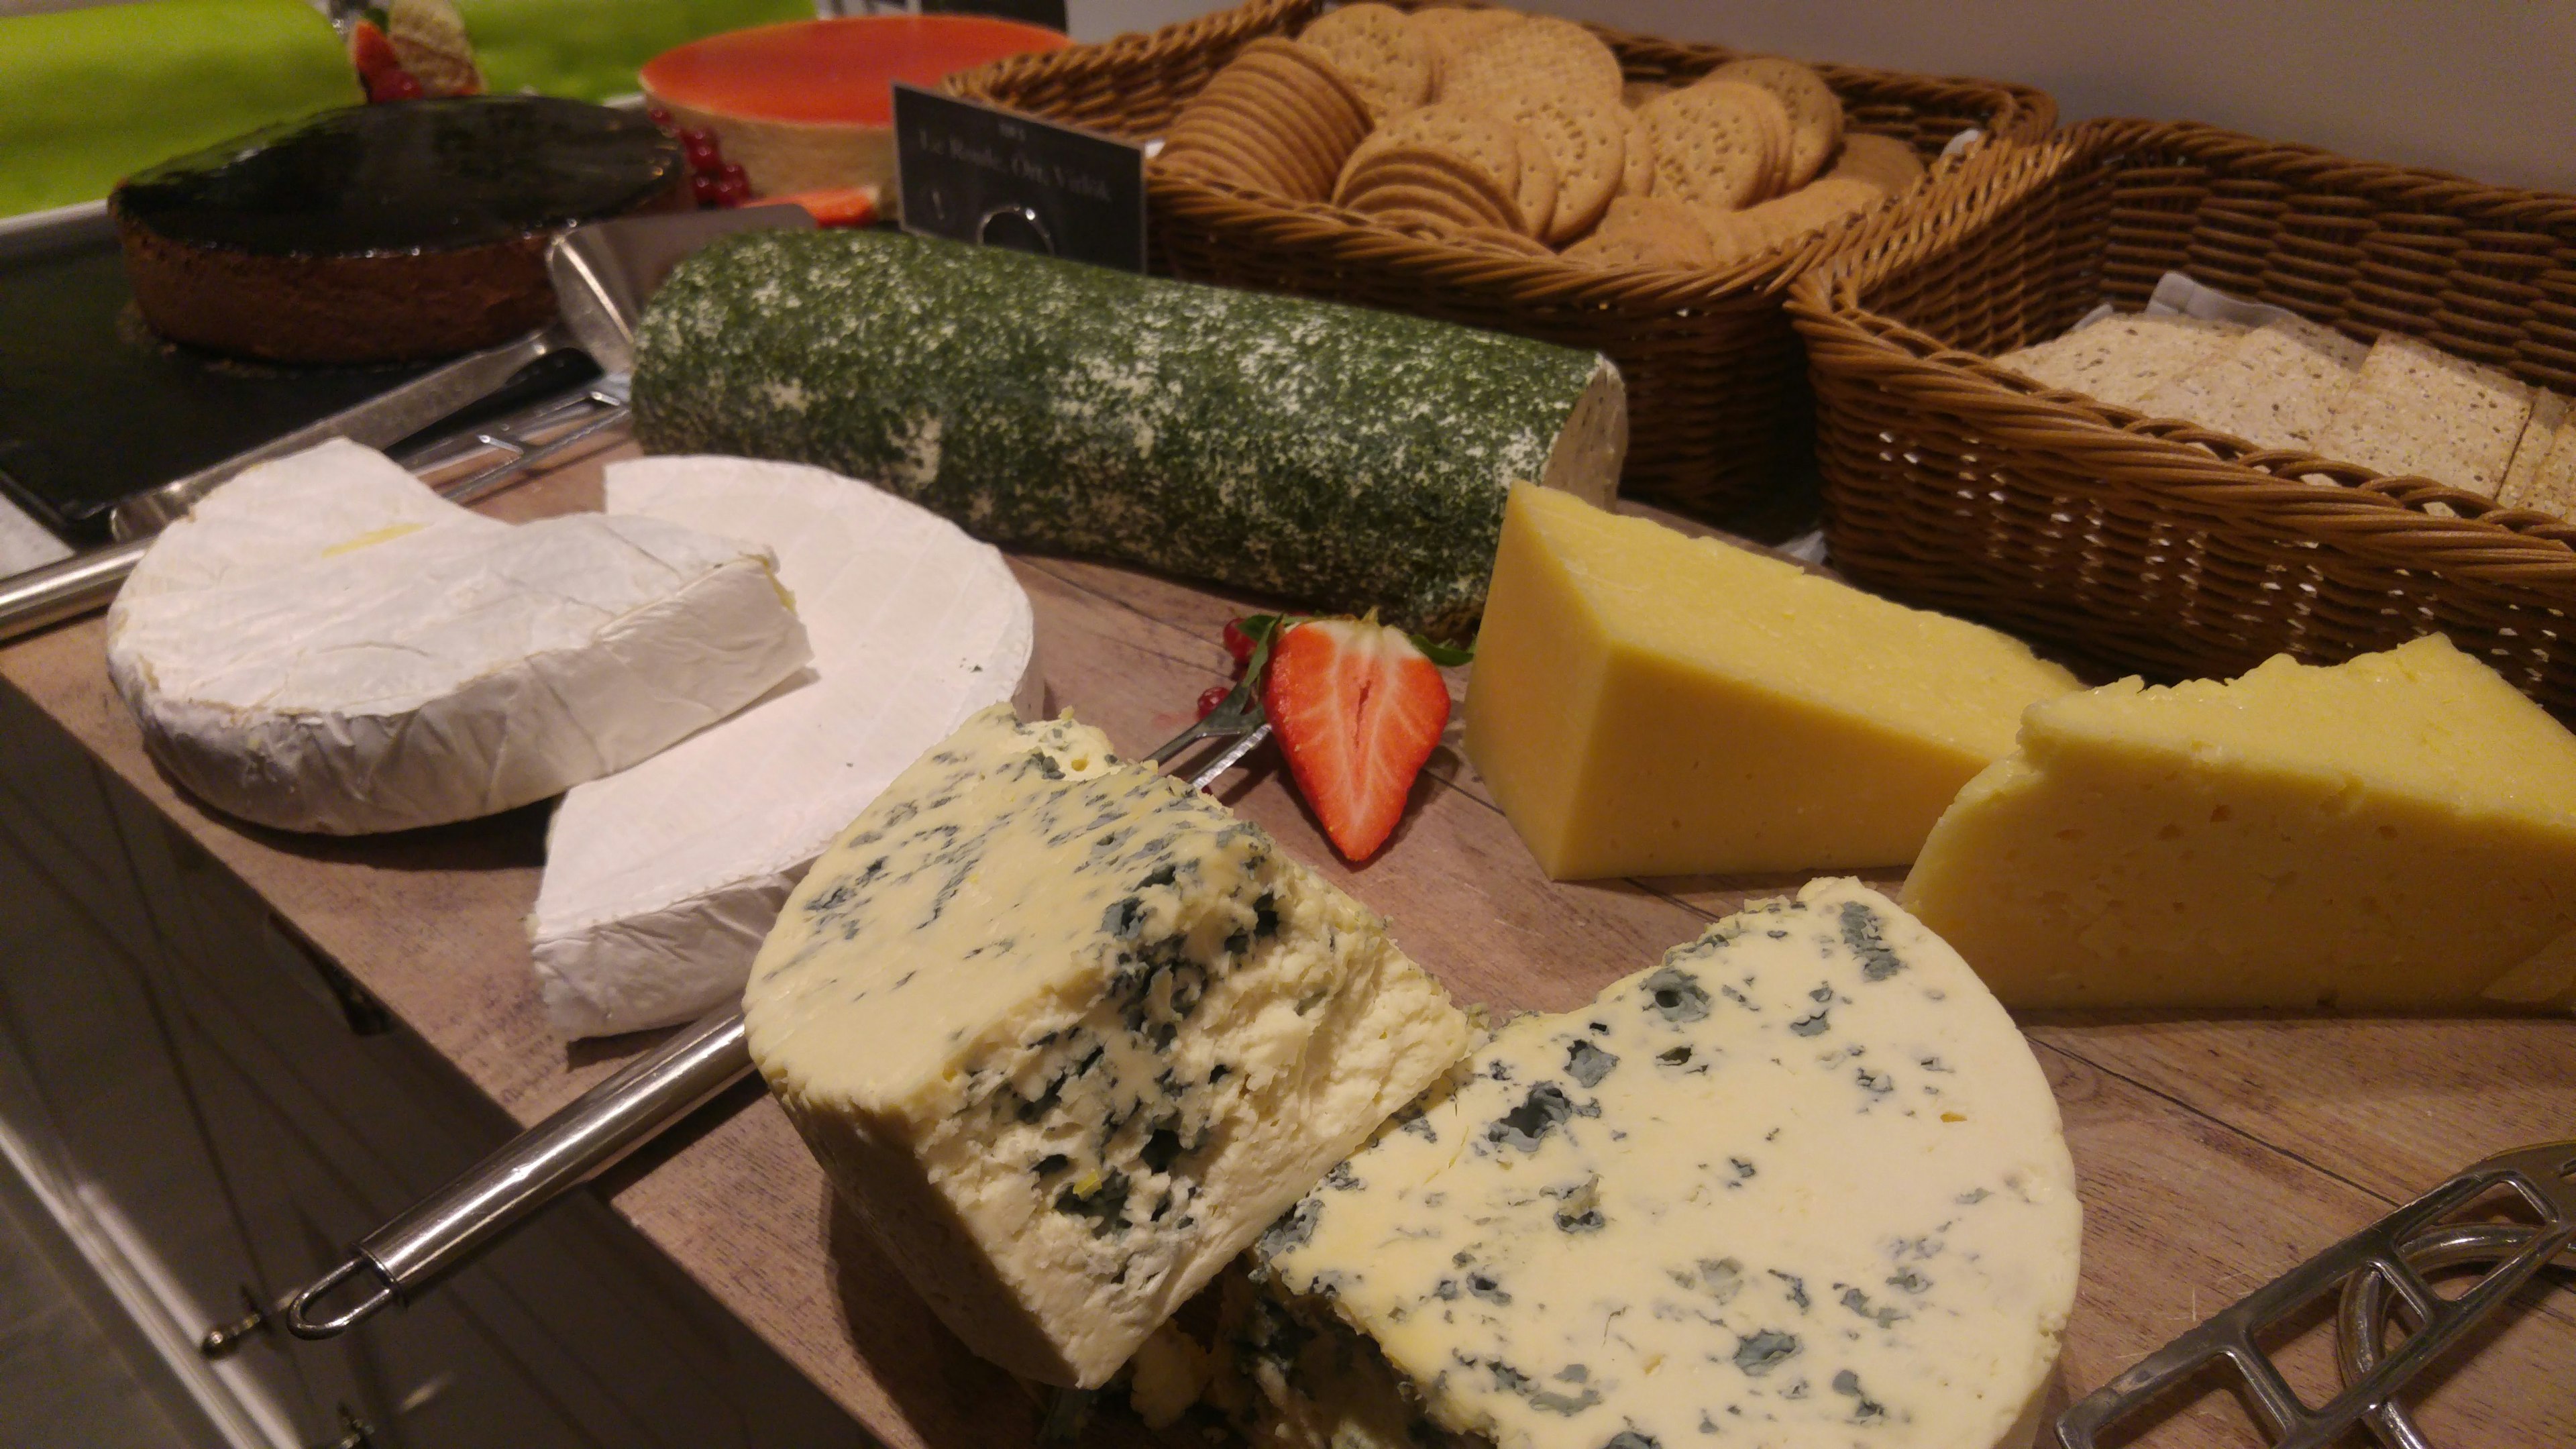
x=1066, y=1035
x=1801, y=1183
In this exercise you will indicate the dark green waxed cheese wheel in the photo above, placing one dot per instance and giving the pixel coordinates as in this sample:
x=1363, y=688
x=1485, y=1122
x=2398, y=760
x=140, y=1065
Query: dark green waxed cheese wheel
x=1340, y=458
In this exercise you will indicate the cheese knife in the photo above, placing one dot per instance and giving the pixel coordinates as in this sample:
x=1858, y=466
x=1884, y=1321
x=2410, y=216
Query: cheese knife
x=603, y=272
x=404, y=1258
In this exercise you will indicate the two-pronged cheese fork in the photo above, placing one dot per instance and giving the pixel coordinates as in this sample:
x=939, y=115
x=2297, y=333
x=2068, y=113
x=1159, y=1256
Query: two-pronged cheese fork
x=398, y=1261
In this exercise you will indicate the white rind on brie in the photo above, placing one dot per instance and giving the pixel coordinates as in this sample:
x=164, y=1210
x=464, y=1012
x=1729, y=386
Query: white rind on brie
x=324, y=644
x=662, y=880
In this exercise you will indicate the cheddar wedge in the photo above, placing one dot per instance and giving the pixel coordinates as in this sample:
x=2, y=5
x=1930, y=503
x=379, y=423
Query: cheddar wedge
x=2395, y=833
x=1647, y=703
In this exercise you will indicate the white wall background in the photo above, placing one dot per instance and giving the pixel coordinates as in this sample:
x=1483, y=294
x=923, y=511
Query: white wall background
x=2486, y=88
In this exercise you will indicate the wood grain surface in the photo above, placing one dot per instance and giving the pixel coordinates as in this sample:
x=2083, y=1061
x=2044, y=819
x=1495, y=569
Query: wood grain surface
x=2213, y=1153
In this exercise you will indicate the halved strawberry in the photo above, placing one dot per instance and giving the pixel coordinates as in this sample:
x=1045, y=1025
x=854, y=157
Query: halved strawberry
x=1357, y=709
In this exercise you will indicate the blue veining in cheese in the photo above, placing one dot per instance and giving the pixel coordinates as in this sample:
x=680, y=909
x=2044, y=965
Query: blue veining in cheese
x=1801, y=1183
x=1067, y=1034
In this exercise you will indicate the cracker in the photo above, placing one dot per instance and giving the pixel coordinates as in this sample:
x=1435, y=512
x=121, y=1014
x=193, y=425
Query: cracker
x=1585, y=140
x=1541, y=53
x=1637, y=159
x=1452, y=30
x=1420, y=223
x=1396, y=196
x=2415, y=409
x=1258, y=114
x=2275, y=387
x=2540, y=437
x=2345, y=352
x=2551, y=488
x=1735, y=236
x=1313, y=92
x=1424, y=170
x=1505, y=241
x=1646, y=231
x=1637, y=92
x=1467, y=133
x=1815, y=112
x=1882, y=161
x=1387, y=62
x=1812, y=208
x=1714, y=143
x=1538, y=185
x=1215, y=143
x=2122, y=359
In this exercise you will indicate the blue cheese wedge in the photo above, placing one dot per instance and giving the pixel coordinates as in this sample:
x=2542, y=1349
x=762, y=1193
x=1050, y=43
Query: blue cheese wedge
x=1801, y=1183
x=1066, y=1035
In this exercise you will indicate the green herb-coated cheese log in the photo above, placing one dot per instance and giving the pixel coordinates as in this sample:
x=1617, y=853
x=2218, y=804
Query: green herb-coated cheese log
x=1341, y=458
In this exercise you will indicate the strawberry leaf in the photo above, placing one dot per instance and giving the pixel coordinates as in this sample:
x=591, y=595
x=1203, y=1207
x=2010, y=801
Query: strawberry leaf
x=1444, y=655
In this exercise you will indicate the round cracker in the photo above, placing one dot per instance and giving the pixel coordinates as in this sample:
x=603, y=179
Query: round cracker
x=1450, y=31
x=1291, y=105
x=1734, y=236
x=1541, y=52
x=1646, y=231
x=1587, y=141
x=1468, y=134
x=1217, y=142
x=1427, y=173
x=1222, y=124
x=1537, y=190
x=1714, y=143
x=1336, y=111
x=1841, y=196
x=1388, y=63
x=1294, y=153
x=1884, y=161
x=1638, y=92
x=1815, y=112
x=1504, y=241
x=1637, y=163
x=1432, y=201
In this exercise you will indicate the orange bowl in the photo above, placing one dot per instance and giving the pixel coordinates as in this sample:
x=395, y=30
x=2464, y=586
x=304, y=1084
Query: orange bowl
x=809, y=104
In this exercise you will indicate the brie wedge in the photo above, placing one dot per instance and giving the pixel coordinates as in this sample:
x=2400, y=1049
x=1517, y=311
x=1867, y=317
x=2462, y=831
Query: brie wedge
x=662, y=880
x=325, y=644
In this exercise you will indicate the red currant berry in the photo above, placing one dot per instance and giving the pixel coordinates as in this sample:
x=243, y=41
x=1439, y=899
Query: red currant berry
x=732, y=191
x=658, y=117
x=706, y=191
x=693, y=136
x=704, y=158
x=1238, y=644
x=1214, y=696
x=732, y=171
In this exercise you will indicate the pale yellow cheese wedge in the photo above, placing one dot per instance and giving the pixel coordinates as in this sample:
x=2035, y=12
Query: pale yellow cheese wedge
x=2396, y=833
x=1646, y=703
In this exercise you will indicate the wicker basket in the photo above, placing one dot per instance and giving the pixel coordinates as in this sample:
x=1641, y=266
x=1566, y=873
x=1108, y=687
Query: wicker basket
x=2155, y=546
x=1716, y=390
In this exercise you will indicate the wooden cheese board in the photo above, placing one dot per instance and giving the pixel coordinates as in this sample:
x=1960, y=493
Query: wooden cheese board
x=2213, y=1153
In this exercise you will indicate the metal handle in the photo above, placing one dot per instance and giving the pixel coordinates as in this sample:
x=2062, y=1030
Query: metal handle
x=87, y=582
x=78, y=585
x=2391, y=1256
x=379, y=422
x=395, y=1262
x=586, y=1138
